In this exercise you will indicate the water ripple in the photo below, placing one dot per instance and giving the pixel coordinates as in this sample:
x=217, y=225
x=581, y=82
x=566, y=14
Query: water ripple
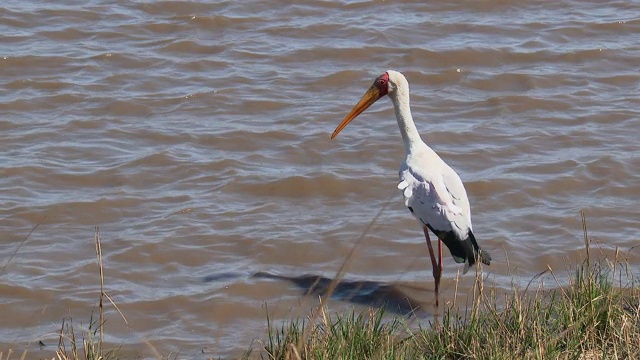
x=196, y=135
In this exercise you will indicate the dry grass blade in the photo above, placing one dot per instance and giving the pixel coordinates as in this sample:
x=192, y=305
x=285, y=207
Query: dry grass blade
x=340, y=273
x=9, y=352
x=101, y=272
x=92, y=346
x=587, y=246
x=117, y=309
x=4, y=267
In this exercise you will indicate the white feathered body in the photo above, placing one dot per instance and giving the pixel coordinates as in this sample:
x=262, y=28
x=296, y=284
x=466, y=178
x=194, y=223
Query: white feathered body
x=435, y=193
x=436, y=197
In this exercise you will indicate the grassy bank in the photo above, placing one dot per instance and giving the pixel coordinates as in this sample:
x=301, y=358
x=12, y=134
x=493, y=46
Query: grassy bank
x=596, y=317
x=590, y=319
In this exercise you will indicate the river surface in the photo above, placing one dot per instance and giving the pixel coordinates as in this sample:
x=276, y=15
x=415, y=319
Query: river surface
x=195, y=134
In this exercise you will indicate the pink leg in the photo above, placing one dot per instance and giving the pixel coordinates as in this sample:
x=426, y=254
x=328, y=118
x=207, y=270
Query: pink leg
x=437, y=266
x=440, y=255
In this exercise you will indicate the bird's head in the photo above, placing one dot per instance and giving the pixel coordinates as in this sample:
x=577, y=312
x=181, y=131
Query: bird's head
x=387, y=83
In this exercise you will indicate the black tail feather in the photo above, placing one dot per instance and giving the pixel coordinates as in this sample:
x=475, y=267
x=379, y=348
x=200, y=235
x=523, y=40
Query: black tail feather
x=463, y=250
x=484, y=256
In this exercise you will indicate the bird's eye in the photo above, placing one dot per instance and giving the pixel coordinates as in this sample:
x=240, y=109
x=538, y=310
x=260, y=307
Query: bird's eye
x=381, y=82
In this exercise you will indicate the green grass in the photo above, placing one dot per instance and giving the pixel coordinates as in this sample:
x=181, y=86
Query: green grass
x=339, y=336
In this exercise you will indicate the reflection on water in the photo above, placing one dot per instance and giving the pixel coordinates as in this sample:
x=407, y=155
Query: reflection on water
x=367, y=293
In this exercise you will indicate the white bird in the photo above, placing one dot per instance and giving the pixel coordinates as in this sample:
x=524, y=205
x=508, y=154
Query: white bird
x=432, y=190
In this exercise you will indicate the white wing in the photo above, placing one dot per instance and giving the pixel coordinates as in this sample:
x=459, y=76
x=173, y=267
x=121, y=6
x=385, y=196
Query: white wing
x=458, y=194
x=435, y=195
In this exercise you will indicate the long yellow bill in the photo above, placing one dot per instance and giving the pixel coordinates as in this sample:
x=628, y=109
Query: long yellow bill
x=372, y=95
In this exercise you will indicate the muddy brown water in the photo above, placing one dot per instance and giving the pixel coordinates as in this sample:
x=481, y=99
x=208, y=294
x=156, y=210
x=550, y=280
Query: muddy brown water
x=196, y=135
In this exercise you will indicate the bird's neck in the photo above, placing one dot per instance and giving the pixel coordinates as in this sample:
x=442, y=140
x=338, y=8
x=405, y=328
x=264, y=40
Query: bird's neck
x=410, y=136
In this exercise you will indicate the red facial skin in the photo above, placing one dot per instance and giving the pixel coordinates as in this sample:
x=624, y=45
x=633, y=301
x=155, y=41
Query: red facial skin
x=382, y=83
